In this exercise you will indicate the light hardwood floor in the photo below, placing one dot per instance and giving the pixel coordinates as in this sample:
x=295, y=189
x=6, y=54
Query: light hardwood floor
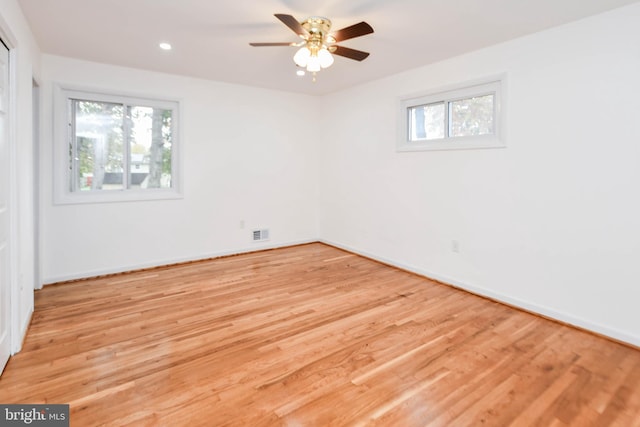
x=310, y=336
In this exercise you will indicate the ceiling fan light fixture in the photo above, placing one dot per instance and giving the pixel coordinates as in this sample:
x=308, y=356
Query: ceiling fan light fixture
x=302, y=56
x=314, y=64
x=317, y=48
x=325, y=57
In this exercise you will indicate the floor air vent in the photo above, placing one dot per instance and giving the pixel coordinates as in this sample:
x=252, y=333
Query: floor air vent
x=260, y=235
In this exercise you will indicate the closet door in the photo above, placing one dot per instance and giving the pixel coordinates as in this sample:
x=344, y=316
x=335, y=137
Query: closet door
x=5, y=263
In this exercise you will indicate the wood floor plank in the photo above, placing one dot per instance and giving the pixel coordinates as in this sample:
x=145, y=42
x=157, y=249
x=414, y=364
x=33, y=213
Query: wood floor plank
x=310, y=336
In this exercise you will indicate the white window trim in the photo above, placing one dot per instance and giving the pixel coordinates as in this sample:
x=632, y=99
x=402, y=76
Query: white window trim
x=495, y=84
x=62, y=194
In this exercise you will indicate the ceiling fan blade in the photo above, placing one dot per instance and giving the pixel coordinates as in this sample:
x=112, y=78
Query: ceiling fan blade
x=272, y=44
x=292, y=23
x=355, y=30
x=358, y=55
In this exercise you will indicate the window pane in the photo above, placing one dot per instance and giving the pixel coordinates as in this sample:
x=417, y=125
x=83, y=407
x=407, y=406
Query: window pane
x=99, y=150
x=426, y=122
x=150, y=147
x=471, y=116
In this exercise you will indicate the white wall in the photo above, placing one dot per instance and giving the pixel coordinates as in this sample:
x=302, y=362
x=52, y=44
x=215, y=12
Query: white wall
x=552, y=222
x=247, y=156
x=24, y=66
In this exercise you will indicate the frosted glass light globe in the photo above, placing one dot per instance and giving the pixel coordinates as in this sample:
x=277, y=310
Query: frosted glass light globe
x=301, y=58
x=325, y=57
x=314, y=64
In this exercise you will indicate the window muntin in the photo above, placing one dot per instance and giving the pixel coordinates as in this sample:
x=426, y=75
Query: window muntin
x=464, y=117
x=118, y=148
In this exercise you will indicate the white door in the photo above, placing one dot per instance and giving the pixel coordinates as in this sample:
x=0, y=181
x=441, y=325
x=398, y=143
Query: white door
x=5, y=283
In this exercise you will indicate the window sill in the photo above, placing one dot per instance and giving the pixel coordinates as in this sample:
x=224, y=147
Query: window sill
x=466, y=143
x=116, y=196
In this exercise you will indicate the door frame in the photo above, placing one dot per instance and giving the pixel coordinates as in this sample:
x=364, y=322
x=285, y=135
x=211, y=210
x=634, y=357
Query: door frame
x=14, y=313
x=37, y=203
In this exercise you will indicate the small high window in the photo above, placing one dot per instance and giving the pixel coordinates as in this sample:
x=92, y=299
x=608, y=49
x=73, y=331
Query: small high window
x=464, y=117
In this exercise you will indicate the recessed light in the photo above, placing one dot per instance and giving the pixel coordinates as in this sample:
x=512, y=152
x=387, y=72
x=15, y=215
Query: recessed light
x=165, y=46
x=300, y=72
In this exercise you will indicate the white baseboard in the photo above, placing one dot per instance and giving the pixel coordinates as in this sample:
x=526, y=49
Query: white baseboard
x=22, y=333
x=163, y=262
x=515, y=302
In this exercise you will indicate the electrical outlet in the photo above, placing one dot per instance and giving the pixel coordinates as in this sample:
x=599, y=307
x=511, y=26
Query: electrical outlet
x=242, y=224
x=455, y=246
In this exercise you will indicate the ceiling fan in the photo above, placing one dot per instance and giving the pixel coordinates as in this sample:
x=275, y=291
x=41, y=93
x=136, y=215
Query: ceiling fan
x=318, y=42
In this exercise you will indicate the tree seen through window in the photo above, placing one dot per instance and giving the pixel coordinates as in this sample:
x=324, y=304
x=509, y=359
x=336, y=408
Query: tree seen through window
x=120, y=146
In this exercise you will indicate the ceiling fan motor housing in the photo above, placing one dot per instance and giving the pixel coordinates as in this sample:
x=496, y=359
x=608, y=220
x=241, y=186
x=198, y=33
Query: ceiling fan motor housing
x=318, y=29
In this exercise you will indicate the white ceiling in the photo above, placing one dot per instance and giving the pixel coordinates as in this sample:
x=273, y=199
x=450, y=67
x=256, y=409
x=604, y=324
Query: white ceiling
x=211, y=38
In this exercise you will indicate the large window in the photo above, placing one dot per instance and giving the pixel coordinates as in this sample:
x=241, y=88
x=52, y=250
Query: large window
x=115, y=148
x=469, y=116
